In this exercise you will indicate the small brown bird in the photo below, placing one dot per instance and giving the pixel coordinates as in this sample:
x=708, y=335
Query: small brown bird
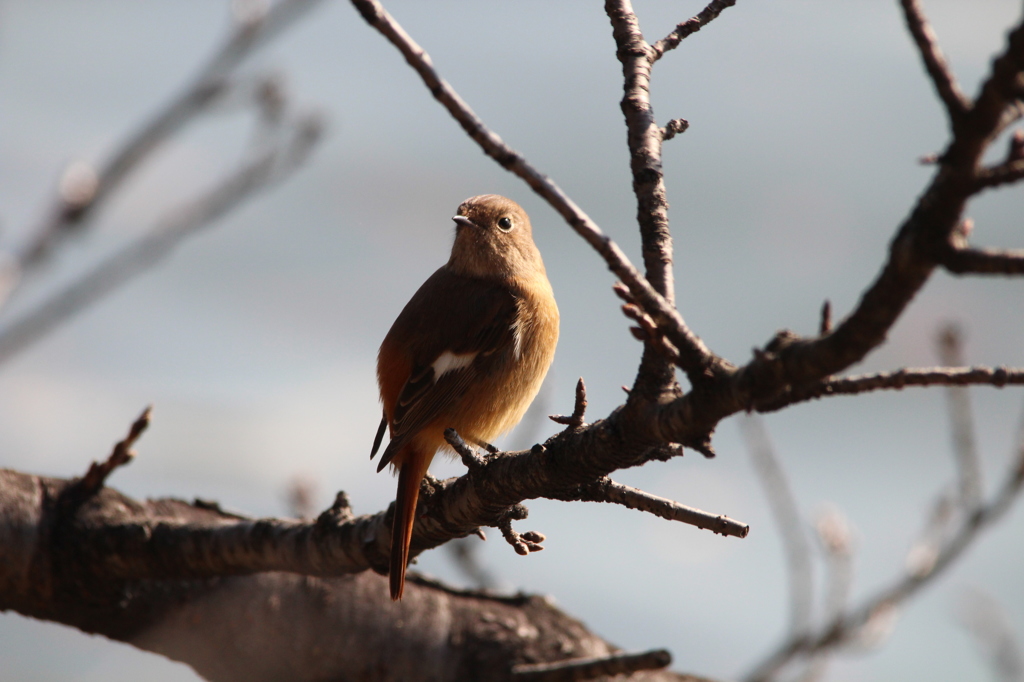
x=469, y=351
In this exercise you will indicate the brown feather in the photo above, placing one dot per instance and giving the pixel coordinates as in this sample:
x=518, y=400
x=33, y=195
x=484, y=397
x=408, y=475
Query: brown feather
x=469, y=351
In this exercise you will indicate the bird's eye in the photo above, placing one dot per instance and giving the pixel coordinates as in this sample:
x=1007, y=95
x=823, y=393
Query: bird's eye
x=505, y=223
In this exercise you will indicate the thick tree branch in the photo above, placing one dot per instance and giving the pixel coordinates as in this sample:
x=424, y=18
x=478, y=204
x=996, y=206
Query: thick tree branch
x=55, y=566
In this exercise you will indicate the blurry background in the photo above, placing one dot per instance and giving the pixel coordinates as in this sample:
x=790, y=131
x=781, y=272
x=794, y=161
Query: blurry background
x=256, y=341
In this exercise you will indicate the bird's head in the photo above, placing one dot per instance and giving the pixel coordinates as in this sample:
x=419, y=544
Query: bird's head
x=493, y=238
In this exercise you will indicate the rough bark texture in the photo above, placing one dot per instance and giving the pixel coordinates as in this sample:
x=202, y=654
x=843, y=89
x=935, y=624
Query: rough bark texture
x=55, y=565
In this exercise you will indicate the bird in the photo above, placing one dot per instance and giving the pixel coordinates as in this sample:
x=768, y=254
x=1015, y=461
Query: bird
x=469, y=352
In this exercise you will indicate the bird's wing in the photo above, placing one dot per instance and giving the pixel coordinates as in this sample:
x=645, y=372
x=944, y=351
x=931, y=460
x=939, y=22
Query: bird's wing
x=480, y=324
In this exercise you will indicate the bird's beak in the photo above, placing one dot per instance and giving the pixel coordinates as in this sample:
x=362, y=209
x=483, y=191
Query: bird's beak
x=463, y=220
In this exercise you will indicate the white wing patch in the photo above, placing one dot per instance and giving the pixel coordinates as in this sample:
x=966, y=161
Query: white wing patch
x=449, y=362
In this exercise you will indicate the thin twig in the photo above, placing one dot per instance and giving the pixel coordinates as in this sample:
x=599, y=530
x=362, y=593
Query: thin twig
x=119, y=456
x=83, y=189
x=690, y=26
x=987, y=620
x=266, y=168
x=825, y=326
x=470, y=457
x=957, y=104
x=692, y=349
x=897, y=380
x=575, y=420
x=788, y=521
x=579, y=669
x=607, y=490
x=676, y=126
x=523, y=543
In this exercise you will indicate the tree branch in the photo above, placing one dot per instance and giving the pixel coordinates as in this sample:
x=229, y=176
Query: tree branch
x=83, y=190
x=957, y=104
x=257, y=173
x=607, y=490
x=788, y=521
x=963, y=261
x=55, y=566
x=692, y=349
x=853, y=621
x=689, y=27
x=897, y=380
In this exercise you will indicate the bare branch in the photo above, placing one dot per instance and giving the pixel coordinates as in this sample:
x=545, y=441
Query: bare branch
x=579, y=669
x=788, y=521
x=987, y=620
x=575, y=420
x=607, y=490
x=122, y=454
x=792, y=362
x=692, y=349
x=676, y=126
x=266, y=168
x=690, y=26
x=471, y=459
x=523, y=543
x=825, y=326
x=950, y=343
x=853, y=622
x=1003, y=174
x=957, y=104
x=83, y=189
x=984, y=261
x=897, y=380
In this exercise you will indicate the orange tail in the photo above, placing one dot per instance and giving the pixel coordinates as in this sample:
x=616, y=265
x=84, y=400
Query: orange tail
x=409, y=477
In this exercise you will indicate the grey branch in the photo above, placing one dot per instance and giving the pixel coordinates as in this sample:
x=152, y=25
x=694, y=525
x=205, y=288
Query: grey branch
x=83, y=190
x=265, y=168
x=607, y=490
x=788, y=521
x=964, y=261
x=853, y=621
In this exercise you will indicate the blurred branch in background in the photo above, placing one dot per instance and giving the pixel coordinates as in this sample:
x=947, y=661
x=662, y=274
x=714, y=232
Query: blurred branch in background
x=951, y=352
x=788, y=520
x=295, y=141
x=954, y=524
x=83, y=188
x=466, y=557
x=989, y=624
